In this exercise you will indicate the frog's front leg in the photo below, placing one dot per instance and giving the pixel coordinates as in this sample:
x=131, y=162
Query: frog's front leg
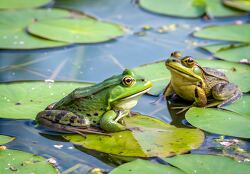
x=63, y=118
x=227, y=93
x=200, y=99
x=109, y=122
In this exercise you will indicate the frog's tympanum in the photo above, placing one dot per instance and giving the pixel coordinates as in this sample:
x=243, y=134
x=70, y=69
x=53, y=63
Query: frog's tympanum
x=102, y=105
x=192, y=82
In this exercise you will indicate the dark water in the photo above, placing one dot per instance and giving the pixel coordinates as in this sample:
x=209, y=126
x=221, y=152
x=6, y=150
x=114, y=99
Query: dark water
x=98, y=61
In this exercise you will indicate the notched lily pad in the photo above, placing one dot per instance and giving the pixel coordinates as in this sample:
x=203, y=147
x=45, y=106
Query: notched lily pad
x=148, y=137
x=238, y=4
x=160, y=76
x=208, y=164
x=23, y=100
x=189, y=8
x=14, y=161
x=234, y=122
x=18, y=4
x=145, y=167
x=79, y=30
x=5, y=139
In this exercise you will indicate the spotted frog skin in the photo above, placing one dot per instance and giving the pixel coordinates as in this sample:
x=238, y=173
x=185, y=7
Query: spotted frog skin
x=102, y=105
x=194, y=83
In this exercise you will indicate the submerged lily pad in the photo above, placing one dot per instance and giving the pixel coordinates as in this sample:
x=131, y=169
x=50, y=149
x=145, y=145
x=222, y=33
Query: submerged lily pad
x=13, y=33
x=188, y=8
x=238, y=4
x=148, y=137
x=208, y=164
x=80, y=30
x=230, y=52
x=160, y=76
x=235, y=122
x=17, y=4
x=145, y=167
x=5, y=139
x=23, y=100
x=14, y=161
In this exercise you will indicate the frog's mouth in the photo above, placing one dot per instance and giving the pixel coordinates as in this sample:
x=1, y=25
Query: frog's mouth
x=129, y=102
x=183, y=73
x=136, y=95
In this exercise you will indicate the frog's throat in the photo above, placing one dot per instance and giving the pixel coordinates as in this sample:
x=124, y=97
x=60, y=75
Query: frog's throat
x=184, y=73
x=127, y=103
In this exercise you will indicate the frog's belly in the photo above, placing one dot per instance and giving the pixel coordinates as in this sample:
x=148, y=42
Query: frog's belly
x=185, y=91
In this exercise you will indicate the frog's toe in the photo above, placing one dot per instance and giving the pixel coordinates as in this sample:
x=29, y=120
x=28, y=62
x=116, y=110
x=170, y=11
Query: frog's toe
x=182, y=108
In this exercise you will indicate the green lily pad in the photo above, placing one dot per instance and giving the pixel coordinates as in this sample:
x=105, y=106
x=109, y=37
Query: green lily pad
x=238, y=33
x=17, y=4
x=188, y=8
x=208, y=164
x=13, y=33
x=160, y=76
x=238, y=4
x=230, y=52
x=23, y=100
x=14, y=161
x=148, y=137
x=5, y=139
x=145, y=167
x=235, y=122
x=80, y=30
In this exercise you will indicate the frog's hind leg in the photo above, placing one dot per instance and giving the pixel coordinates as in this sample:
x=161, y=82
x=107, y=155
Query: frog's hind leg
x=227, y=93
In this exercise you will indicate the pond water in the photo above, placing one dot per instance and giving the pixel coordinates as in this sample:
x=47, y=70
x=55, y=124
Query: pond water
x=95, y=62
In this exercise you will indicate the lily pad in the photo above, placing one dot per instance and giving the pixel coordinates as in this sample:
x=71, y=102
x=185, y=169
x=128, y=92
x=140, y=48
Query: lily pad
x=238, y=4
x=230, y=52
x=17, y=4
x=14, y=161
x=23, y=100
x=238, y=33
x=188, y=8
x=235, y=122
x=5, y=139
x=208, y=164
x=148, y=137
x=80, y=30
x=160, y=76
x=145, y=167
x=13, y=33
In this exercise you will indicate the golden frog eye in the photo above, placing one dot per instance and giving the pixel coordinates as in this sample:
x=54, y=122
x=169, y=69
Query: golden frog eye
x=188, y=61
x=176, y=54
x=128, y=81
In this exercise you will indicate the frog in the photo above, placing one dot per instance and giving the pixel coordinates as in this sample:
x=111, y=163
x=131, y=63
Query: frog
x=198, y=84
x=101, y=106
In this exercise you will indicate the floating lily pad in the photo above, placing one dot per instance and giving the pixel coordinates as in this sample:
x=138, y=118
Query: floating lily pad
x=148, y=137
x=14, y=161
x=238, y=33
x=238, y=4
x=17, y=4
x=80, y=30
x=5, y=139
x=160, y=76
x=23, y=100
x=188, y=8
x=230, y=52
x=145, y=167
x=235, y=122
x=13, y=33
x=208, y=164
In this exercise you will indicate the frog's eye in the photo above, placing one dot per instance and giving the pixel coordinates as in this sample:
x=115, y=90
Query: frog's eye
x=176, y=54
x=188, y=61
x=128, y=81
x=197, y=70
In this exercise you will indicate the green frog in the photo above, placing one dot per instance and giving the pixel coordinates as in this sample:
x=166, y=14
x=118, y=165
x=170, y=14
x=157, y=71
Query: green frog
x=102, y=105
x=194, y=83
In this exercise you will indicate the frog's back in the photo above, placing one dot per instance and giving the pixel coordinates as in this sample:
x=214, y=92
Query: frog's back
x=213, y=77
